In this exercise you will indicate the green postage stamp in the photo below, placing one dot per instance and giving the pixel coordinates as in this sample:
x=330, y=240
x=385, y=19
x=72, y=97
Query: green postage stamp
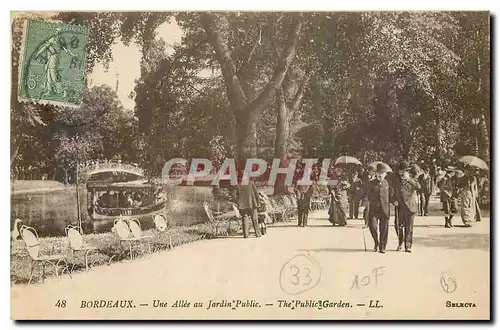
x=52, y=63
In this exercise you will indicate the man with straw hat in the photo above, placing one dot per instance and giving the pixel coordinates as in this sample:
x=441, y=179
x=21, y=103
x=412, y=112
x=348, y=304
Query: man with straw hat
x=407, y=199
x=378, y=193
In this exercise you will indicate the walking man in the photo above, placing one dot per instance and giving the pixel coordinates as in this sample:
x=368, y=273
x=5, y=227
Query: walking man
x=406, y=197
x=247, y=200
x=378, y=193
x=427, y=186
x=447, y=188
x=355, y=195
x=303, y=194
x=368, y=177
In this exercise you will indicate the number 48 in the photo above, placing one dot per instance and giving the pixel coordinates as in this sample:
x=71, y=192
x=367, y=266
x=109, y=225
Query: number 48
x=61, y=303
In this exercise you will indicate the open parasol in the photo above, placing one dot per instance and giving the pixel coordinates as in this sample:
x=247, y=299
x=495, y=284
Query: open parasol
x=375, y=164
x=347, y=160
x=474, y=161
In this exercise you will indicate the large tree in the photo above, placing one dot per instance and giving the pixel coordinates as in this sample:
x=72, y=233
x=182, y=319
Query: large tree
x=395, y=84
x=247, y=109
x=382, y=73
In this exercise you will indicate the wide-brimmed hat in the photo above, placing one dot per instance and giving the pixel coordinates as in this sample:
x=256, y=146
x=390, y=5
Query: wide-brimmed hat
x=382, y=168
x=404, y=166
x=450, y=169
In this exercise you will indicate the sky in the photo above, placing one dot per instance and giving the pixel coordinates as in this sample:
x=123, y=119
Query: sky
x=126, y=64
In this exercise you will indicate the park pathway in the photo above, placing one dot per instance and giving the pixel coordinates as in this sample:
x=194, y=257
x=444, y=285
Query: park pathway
x=289, y=266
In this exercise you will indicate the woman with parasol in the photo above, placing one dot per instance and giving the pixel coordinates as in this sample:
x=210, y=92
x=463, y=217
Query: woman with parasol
x=339, y=205
x=469, y=189
x=466, y=191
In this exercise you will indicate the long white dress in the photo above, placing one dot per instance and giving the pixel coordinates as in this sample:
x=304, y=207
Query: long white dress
x=468, y=204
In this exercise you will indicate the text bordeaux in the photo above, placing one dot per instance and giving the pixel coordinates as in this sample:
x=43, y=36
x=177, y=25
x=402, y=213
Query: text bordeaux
x=107, y=304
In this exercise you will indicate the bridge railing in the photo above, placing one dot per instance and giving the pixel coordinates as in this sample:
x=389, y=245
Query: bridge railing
x=85, y=170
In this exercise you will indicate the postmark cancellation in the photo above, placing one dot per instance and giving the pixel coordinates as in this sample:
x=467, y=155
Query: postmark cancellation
x=52, y=63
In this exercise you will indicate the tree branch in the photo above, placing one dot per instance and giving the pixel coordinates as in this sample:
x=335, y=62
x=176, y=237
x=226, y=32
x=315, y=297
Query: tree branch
x=281, y=69
x=235, y=91
x=257, y=42
x=297, y=100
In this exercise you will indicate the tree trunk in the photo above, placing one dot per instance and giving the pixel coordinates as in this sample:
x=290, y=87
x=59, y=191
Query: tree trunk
x=255, y=139
x=283, y=129
x=246, y=144
x=246, y=113
x=484, y=151
x=281, y=141
x=439, y=139
x=79, y=219
x=484, y=138
x=66, y=176
x=16, y=150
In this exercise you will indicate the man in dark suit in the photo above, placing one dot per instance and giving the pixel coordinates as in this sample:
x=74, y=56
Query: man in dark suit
x=303, y=194
x=379, y=194
x=354, y=195
x=368, y=177
x=407, y=200
x=247, y=200
x=427, y=184
x=447, y=188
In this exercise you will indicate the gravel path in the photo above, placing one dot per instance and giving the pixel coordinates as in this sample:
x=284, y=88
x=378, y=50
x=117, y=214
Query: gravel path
x=286, y=269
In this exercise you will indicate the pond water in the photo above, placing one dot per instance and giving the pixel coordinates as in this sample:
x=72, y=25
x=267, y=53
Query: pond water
x=50, y=212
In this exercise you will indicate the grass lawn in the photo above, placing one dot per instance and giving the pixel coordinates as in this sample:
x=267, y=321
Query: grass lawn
x=20, y=185
x=109, y=249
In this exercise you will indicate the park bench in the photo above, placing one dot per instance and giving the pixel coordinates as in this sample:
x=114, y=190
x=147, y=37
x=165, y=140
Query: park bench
x=216, y=222
x=129, y=231
x=78, y=245
x=277, y=210
x=161, y=226
x=291, y=211
x=34, y=247
x=318, y=203
x=238, y=217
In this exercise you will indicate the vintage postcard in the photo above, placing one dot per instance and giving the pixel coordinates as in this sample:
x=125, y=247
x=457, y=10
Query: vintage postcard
x=250, y=165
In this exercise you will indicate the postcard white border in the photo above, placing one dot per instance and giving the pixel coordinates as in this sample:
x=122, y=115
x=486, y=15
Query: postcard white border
x=310, y=5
